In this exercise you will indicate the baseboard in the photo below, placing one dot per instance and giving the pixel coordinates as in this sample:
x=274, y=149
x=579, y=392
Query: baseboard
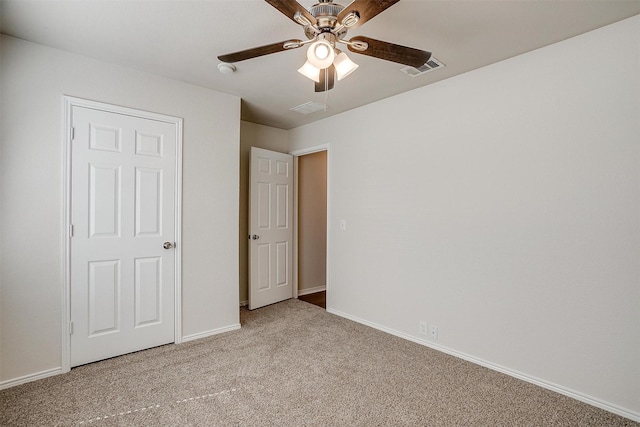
x=312, y=290
x=244, y=303
x=210, y=333
x=31, y=377
x=57, y=371
x=635, y=416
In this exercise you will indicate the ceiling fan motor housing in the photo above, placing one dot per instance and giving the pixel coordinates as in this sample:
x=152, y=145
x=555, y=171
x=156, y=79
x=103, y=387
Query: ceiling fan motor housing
x=326, y=13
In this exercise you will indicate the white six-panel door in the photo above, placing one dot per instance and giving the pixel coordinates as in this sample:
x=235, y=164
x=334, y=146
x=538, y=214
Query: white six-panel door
x=123, y=174
x=270, y=227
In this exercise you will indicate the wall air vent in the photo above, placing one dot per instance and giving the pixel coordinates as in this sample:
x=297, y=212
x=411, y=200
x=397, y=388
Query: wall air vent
x=432, y=64
x=309, y=107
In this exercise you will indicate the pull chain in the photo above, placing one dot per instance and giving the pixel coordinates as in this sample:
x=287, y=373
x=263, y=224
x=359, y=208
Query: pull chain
x=326, y=87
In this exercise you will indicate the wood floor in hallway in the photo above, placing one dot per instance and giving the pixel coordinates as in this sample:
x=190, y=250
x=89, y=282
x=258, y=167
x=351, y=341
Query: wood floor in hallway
x=317, y=298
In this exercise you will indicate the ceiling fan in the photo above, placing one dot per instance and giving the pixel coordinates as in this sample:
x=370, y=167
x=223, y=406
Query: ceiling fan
x=325, y=25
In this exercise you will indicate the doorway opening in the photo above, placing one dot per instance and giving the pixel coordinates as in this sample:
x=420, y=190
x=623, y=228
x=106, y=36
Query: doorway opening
x=311, y=177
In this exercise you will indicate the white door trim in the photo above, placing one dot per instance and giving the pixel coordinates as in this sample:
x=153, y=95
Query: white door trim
x=68, y=103
x=296, y=154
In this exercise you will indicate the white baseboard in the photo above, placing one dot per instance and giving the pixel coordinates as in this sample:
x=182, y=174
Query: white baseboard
x=31, y=377
x=210, y=333
x=312, y=290
x=635, y=416
x=57, y=371
x=244, y=303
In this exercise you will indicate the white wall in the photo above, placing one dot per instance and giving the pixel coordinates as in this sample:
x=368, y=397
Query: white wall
x=253, y=135
x=503, y=206
x=33, y=80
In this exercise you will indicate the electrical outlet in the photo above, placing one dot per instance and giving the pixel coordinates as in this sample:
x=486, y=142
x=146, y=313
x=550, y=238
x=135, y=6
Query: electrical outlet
x=423, y=328
x=433, y=332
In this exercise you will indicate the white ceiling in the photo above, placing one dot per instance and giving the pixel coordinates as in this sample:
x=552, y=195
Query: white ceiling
x=182, y=39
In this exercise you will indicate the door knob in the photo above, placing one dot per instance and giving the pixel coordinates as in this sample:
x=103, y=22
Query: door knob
x=255, y=237
x=167, y=245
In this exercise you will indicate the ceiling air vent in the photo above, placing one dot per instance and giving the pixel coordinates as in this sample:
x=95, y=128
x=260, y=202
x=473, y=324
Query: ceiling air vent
x=309, y=107
x=432, y=64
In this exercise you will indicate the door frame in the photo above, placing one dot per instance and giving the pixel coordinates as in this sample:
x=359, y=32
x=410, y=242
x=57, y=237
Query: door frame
x=296, y=154
x=68, y=102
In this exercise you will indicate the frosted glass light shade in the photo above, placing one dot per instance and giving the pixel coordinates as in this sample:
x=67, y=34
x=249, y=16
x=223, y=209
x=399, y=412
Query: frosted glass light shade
x=344, y=66
x=310, y=72
x=321, y=54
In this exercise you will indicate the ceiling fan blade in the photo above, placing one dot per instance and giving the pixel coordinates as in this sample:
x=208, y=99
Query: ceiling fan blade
x=260, y=51
x=290, y=8
x=327, y=79
x=392, y=52
x=366, y=9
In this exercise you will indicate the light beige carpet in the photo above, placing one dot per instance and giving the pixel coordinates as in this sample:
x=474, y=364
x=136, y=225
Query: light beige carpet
x=292, y=364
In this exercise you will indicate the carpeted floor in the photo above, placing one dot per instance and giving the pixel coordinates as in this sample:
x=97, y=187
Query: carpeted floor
x=292, y=364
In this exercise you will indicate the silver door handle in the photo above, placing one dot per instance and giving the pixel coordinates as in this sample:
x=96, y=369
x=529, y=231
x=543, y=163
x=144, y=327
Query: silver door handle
x=167, y=245
x=255, y=237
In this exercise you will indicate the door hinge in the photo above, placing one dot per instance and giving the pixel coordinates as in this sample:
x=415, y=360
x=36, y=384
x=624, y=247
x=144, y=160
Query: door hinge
x=70, y=328
x=70, y=230
x=73, y=133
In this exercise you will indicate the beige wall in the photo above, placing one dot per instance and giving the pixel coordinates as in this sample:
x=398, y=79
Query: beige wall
x=33, y=79
x=312, y=221
x=503, y=206
x=252, y=135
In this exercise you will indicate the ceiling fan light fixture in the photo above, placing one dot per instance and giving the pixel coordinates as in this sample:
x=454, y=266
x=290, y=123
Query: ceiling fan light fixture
x=344, y=66
x=310, y=72
x=321, y=54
